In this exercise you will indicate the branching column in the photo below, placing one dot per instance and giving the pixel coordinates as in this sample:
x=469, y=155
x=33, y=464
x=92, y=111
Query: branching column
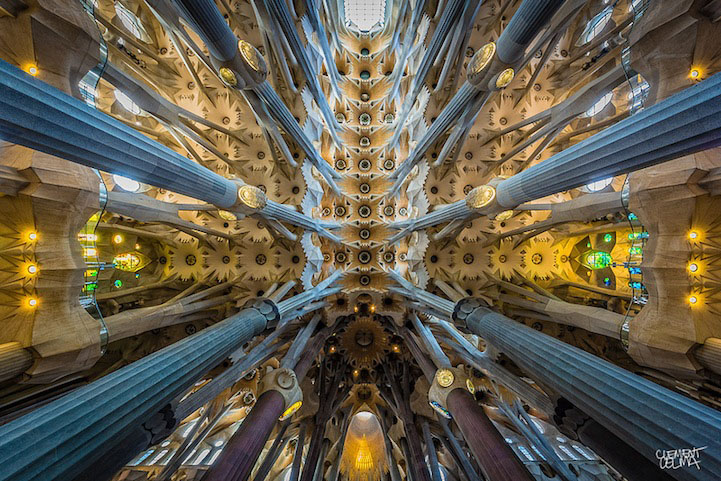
x=38, y=116
x=645, y=415
x=123, y=412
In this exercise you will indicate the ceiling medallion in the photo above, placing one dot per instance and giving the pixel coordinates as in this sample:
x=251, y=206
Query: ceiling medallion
x=483, y=57
x=445, y=377
x=505, y=78
x=228, y=76
x=252, y=196
x=250, y=54
x=480, y=197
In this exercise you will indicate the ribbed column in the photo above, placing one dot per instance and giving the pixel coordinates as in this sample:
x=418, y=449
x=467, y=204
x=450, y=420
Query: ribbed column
x=38, y=116
x=76, y=432
x=495, y=458
x=687, y=122
x=14, y=360
x=314, y=450
x=209, y=24
x=626, y=460
x=528, y=20
x=415, y=460
x=240, y=455
x=709, y=354
x=645, y=415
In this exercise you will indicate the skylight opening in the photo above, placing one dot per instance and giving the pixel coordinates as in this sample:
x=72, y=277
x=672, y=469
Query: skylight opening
x=365, y=15
x=130, y=22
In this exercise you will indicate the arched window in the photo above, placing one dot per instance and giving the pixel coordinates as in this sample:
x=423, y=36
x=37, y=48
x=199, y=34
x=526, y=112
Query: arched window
x=599, y=105
x=567, y=452
x=130, y=21
x=583, y=452
x=526, y=453
x=203, y=454
x=595, y=26
x=365, y=15
x=598, y=185
x=154, y=460
x=127, y=103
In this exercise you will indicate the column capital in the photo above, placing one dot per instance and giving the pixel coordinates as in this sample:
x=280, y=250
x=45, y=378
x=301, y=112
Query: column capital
x=265, y=307
x=246, y=70
x=465, y=307
x=446, y=380
x=285, y=382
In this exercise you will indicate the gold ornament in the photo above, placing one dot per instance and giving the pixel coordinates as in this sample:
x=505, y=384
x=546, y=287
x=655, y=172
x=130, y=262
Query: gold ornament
x=291, y=410
x=445, y=377
x=469, y=385
x=480, y=197
x=225, y=215
x=505, y=78
x=228, y=76
x=482, y=58
x=252, y=196
x=505, y=215
x=250, y=54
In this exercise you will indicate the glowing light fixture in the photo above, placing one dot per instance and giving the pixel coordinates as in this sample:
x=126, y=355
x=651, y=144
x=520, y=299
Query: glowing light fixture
x=126, y=184
x=693, y=235
x=32, y=269
x=33, y=236
x=693, y=267
x=695, y=73
x=291, y=410
x=117, y=238
x=32, y=302
x=365, y=15
x=692, y=300
x=32, y=69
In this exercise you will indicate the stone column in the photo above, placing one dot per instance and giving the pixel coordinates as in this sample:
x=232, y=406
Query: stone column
x=38, y=116
x=14, y=360
x=648, y=417
x=525, y=24
x=280, y=397
x=495, y=457
x=626, y=460
x=78, y=431
x=240, y=455
x=497, y=460
x=687, y=122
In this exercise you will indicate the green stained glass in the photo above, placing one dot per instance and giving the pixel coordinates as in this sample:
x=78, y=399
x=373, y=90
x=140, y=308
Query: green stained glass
x=608, y=238
x=598, y=259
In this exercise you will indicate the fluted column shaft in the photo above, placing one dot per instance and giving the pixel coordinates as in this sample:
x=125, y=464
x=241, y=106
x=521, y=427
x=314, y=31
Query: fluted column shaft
x=240, y=455
x=528, y=20
x=77, y=431
x=314, y=450
x=495, y=458
x=415, y=460
x=38, y=116
x=687, y=122
x=209, y=24
x=645, y=415
x=14, y=360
